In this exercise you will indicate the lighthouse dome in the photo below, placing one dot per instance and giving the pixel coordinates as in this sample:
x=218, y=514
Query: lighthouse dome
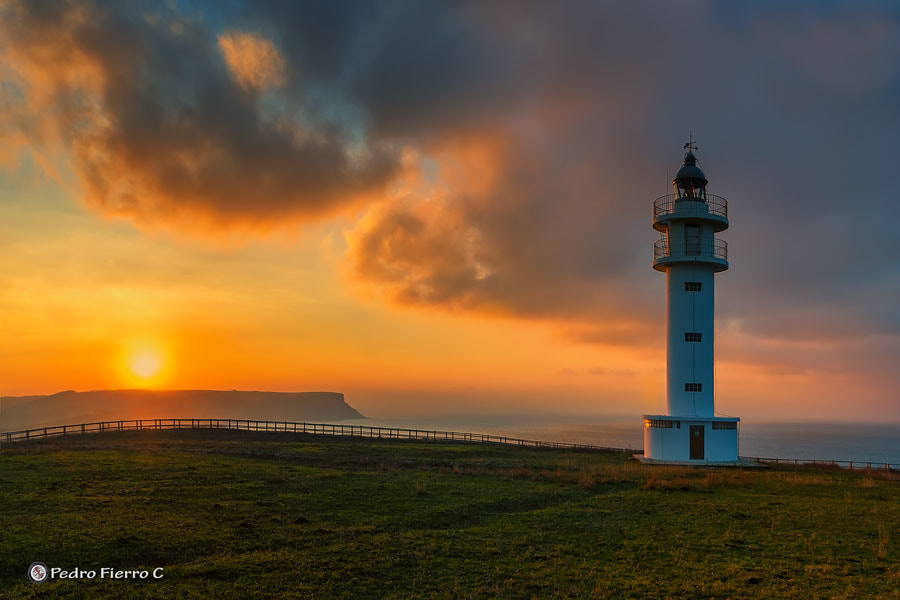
x=690, y=182
x=689, y=171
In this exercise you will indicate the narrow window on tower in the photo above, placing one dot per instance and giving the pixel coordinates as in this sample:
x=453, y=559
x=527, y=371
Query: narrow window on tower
x=693, y=387
x=693, y=337
x=693, y=286
x=692, y=240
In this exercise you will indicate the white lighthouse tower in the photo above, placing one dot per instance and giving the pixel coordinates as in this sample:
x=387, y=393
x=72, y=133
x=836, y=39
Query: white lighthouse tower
x=690, y=255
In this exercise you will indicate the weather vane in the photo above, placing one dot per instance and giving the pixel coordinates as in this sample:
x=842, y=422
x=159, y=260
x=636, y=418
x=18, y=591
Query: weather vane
x=691, y=145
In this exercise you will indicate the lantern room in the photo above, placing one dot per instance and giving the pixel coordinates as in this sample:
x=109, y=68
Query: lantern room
x=690, y=182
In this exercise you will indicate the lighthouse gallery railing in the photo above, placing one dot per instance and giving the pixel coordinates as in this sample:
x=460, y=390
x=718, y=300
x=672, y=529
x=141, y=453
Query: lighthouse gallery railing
x=716, y=249
x=716, y=205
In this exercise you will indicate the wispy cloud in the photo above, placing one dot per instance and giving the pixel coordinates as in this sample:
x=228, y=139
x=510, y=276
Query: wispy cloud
x=254, y=61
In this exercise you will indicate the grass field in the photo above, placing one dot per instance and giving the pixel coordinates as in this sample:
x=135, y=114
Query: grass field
x=268, y=515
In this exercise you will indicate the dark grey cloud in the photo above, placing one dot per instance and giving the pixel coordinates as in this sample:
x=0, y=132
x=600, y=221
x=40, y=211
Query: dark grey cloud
x=796, y=110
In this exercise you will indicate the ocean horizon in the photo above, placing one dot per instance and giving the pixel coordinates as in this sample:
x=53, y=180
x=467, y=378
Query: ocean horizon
x=859, y=442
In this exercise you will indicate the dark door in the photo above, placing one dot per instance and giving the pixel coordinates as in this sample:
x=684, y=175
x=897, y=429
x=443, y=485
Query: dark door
x=697, y=444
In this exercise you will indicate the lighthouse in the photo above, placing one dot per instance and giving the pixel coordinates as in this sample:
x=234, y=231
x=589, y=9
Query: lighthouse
x=690, y=254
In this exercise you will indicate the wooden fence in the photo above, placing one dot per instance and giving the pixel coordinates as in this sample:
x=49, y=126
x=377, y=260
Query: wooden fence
x=364, y=431
x=329, y=429
x=842, y=464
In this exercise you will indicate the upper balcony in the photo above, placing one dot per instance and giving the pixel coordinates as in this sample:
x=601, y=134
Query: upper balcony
x=713, y=252
x=673, y=208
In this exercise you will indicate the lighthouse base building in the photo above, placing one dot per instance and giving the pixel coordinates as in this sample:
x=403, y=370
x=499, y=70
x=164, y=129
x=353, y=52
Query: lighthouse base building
x=670, y=438
x=690, y=255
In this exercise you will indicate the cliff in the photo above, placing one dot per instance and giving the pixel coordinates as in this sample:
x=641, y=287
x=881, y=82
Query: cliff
x=21, y=412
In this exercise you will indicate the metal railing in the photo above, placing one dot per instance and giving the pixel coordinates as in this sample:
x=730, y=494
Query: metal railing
x=670, y=203
x=716, y=248
x=329, y=429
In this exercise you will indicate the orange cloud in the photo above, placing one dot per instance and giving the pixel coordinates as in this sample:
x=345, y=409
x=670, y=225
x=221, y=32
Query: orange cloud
x=164, y=133
x=254, y=61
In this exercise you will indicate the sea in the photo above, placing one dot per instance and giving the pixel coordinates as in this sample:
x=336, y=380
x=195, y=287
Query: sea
x=858, y=442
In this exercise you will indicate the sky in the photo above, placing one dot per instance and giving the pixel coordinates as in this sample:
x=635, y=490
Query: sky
x=444, y=207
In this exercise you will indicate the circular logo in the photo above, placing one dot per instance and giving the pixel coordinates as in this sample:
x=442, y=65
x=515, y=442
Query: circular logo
x=37, y=572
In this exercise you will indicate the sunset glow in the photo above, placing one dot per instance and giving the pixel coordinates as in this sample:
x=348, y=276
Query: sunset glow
x=192, y=200
x=144, y=364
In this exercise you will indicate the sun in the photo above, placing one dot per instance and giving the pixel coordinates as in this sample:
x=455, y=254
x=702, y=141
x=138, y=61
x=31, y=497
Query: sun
x=144, y=363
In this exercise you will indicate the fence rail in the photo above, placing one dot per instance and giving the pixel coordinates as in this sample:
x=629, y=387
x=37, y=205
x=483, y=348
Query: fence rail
x=841, y=464
x=330, y=429
x=365, y=431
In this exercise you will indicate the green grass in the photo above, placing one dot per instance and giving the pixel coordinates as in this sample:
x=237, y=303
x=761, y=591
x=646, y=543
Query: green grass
x=265, y=515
